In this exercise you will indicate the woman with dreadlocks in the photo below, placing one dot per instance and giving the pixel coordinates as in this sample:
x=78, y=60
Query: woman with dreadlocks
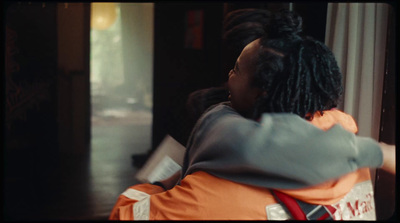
x=240, y=27
x=232, y=163
x=286, y=73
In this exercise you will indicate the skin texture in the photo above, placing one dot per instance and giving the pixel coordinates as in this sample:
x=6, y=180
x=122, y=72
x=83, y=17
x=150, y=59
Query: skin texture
x=242, y=94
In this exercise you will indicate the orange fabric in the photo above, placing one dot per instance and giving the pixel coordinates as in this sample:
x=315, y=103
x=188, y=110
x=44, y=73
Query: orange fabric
x=332, y=191
x=202, y=196
x=332, y=117
x=123, y=208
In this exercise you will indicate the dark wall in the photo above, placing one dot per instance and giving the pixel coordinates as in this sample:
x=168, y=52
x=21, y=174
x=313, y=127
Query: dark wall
x=30, y=82
x=30, y=119
x=46, y=92
x=180, y=70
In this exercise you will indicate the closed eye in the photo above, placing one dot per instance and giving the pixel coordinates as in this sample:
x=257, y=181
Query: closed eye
x=236, y=68
x=230, y=73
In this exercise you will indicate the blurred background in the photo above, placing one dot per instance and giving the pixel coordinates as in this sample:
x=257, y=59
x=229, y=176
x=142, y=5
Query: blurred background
x=89, y=86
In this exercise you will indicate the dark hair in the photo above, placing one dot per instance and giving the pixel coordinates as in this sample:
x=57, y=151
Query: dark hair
x=242, y=26
x=299, y=74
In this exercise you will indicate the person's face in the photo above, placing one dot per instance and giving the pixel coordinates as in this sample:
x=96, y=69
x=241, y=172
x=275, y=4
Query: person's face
x=242, y=94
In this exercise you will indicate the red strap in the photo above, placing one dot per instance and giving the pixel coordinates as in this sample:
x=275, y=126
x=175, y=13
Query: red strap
x=291, y=205
x=330, y=209
x=323, y=217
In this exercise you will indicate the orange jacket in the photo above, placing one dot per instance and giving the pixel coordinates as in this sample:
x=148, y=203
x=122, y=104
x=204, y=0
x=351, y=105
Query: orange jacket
x=201, y=196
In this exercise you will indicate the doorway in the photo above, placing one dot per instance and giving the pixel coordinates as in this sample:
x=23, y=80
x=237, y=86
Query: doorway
x=121, y=81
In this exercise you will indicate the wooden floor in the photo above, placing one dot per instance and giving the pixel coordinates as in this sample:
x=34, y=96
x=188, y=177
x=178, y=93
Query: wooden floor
x=51, y=187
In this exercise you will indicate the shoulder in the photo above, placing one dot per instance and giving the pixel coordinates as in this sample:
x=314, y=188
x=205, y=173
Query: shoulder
x=224, y=117
x=335, y=116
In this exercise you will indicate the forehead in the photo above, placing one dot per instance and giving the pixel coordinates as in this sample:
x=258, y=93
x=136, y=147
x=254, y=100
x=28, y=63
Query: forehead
x=248, y=57
x=252, y=46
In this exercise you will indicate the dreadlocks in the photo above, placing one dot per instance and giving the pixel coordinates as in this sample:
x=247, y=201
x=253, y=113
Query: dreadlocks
x=242, y=26
x=300, y=75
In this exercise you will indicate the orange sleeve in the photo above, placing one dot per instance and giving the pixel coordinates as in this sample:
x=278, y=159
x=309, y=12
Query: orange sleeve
x=332, y=117
x=123, y=208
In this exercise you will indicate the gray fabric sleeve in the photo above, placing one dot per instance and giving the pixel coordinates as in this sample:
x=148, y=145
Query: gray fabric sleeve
x=283, y=151
x=369, y=155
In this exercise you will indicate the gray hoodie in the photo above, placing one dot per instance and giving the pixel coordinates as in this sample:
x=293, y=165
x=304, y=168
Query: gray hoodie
x=282, y=151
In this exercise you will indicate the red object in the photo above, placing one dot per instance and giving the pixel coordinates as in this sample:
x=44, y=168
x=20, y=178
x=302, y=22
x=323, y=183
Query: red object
x=291, y=205
x=295, y=209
